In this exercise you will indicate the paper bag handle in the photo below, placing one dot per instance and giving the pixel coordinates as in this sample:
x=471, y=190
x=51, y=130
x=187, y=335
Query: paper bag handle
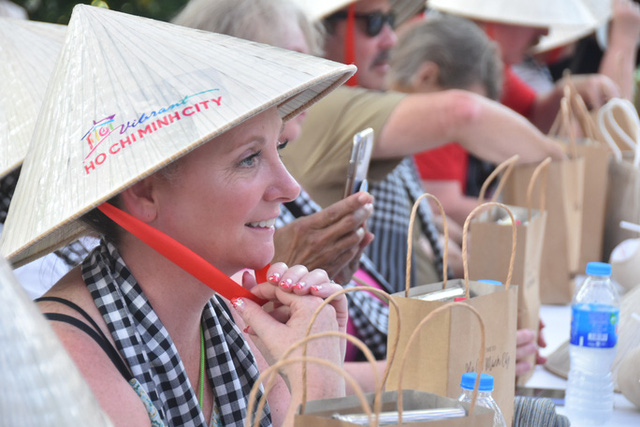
x=581, y=112
x=543, y=166
x=562, y=122
x=414, y=336
x=357, y=342
x=605, y=115
x=268, y=376
x=465, y=238
x=445, y=254
x=391, y=352
x=507, y=167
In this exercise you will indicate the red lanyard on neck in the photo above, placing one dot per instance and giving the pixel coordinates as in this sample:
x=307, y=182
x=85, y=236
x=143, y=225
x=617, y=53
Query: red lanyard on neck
x=350, y=44
x=182, y=256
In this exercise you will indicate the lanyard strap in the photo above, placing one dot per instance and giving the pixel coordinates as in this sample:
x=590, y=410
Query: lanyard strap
x=350, y=44
x=182, y=256
x=202, y=356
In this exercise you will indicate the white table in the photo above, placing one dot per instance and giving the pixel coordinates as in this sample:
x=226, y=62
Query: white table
x=558, y=321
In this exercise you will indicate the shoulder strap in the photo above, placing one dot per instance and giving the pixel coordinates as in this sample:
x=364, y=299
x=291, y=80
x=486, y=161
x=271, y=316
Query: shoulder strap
x=95, y=333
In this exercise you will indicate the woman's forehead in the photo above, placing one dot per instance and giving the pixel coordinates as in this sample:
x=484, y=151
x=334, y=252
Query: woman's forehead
x=264, y=126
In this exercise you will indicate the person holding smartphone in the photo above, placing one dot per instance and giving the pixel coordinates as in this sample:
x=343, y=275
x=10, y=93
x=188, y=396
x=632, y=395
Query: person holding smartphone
x=404, y=124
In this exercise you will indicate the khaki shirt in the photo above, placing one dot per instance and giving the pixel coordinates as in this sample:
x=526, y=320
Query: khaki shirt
x=319, y=159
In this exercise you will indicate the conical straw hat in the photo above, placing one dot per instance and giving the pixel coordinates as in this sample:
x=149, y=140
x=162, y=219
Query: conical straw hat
x=127, y=97
x=563, y=35
x=320, y=9
x=530, y=13
x=41, y=385
x=12, y=10
x=28, y=51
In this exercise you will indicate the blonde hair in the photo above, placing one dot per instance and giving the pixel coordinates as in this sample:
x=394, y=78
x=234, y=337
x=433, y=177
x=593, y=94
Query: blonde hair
x=256, y=20
x=459, y=47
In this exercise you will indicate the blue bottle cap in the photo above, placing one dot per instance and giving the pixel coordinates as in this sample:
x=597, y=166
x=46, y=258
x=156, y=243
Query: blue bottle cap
x=491, y=282
x=469, y=381
x=598, y=269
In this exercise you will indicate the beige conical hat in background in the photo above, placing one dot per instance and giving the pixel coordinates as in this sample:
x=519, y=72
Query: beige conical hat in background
x=127, y=97
x=320, y=9
x=12, y=10
x=41, y=386
x=28, y=52
x=563, y=35
x=530, y=13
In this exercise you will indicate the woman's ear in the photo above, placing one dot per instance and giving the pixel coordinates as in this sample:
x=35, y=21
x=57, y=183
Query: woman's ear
x=426, y=78
x=139, y=200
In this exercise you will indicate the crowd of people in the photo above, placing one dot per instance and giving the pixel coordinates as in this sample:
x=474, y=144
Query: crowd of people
x=234, y=147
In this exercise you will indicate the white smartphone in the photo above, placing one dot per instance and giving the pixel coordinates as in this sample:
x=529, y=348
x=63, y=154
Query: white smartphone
x=359, y=162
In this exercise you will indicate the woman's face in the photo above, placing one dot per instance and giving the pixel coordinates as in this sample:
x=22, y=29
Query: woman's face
x=225, y=196
x=514, y=40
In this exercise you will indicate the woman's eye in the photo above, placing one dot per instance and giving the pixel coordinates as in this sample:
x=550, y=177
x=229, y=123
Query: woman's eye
x=282, y=145
x=250, y=160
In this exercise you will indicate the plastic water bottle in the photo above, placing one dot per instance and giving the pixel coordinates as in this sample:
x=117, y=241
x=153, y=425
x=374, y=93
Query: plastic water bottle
x=484, y=395
x=594, y=322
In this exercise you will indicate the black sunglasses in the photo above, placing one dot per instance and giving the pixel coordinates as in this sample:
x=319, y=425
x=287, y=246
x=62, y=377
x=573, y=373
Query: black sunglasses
x=374, y=21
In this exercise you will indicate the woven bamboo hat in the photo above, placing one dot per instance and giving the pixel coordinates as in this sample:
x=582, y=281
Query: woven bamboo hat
x=127, y=97
x=12, y=10
x=41, y=386
x=28, y=51
x=317, y=10
x=563, y=35
x=537, y=13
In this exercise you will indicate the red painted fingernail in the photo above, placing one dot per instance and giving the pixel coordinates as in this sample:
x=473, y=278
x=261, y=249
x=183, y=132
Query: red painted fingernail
x=246, y=330
x=275, y=278
x=237, y=303
x=299, y=285
x=316, y=288
x=286, y=284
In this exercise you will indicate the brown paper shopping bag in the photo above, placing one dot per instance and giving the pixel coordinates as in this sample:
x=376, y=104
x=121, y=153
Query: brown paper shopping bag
x=623, y=198
x=403, y=406
x=489, y=251
x=596, y=154
x=563, y=231
x=454, y=342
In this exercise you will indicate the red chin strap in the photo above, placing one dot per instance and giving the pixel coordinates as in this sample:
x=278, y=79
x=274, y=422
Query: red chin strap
x=350, y=44
x=182, y=256
x=554, y=55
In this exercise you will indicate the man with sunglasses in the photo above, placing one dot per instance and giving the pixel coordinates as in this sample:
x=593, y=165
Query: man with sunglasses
x=360, y=33
x=372, y=58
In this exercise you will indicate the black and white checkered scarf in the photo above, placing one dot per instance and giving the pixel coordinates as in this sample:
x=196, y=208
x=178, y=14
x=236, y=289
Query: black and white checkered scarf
x=152, y=356
x=394, y=199
x=7, y=187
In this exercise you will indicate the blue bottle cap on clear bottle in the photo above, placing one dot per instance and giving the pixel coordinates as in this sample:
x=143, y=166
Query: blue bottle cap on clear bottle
x=598, y=269
x=468, y=381
x=491, y=282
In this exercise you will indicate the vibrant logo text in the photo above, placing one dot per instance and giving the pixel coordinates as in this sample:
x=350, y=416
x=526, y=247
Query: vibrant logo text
x=135, y=130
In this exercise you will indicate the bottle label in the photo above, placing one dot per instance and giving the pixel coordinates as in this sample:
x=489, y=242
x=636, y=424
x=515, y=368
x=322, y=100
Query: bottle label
x=594, y=325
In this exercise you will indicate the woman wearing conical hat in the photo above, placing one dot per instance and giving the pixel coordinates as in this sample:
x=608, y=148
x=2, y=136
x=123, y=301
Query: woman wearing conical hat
x=517, y=26
x=174, y=135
